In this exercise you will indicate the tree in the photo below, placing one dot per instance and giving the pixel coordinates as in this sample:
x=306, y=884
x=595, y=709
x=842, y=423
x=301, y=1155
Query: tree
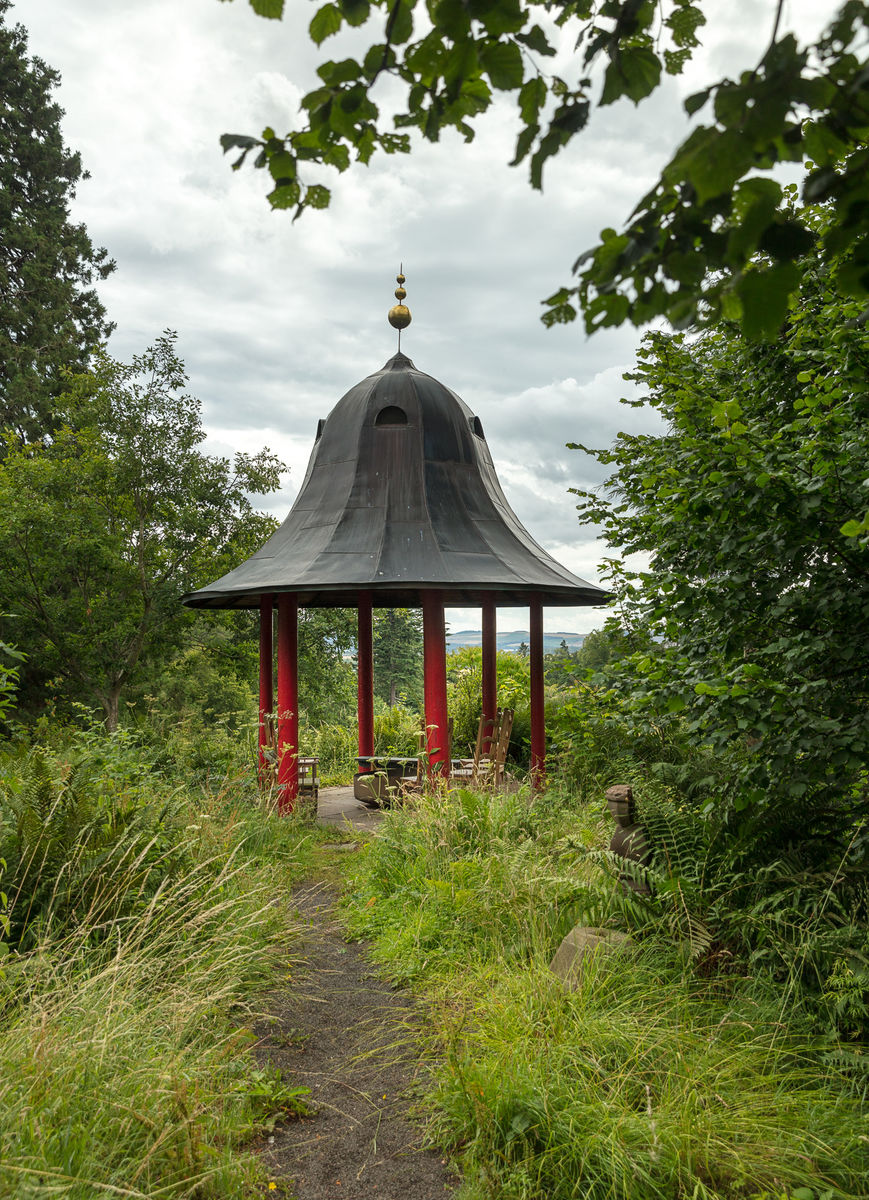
x=756, y=596
x=689, y=252
x=398, y=654
x=327, y=683
x=52, y=317
x=106, y=524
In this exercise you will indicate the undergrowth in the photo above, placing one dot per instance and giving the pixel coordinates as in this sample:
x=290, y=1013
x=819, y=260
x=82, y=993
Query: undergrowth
x=668, y=1073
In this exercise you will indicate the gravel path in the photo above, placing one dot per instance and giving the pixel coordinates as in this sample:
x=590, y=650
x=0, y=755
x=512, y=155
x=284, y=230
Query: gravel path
x=343, y=1032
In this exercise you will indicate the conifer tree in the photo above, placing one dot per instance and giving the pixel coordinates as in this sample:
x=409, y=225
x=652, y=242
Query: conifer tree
x=398, y=654
x=51, y=317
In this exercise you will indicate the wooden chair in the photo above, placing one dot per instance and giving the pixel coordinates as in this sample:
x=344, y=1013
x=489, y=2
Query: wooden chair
x=309, y=768
x=486, y=768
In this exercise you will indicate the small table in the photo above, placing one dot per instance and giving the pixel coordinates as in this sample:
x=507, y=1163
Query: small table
x=380, y=775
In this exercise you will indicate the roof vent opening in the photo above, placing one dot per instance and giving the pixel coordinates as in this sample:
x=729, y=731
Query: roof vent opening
x=477, y=426
x=320, y=426
x=391, y=415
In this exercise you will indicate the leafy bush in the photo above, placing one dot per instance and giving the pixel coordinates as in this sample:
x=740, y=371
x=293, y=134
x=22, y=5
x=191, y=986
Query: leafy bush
x=594, y=742
x=397, y=731
x=83, y=843
x=464, y=691
x=800, y=927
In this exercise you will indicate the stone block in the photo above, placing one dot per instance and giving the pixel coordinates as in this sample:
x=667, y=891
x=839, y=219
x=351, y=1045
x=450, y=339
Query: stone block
x=578, y=946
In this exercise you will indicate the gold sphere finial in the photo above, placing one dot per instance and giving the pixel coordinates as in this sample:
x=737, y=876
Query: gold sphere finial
x=399, y=315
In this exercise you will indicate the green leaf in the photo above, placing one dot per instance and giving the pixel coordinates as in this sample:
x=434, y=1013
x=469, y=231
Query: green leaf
x=535, y=39
x=337, y=156
x=524, y=143
x=717, y=163
x=634, y=73
x=459, y=65
x=694, y=103
x=229, y=141
x=532, y=97
x=282, y=165
x=502, y=61
x=765, y=296
x=787, y=240
x=452, y=18
x=335, y=73
x=325, y=22
x=356, y=12
x=272, y=9
x=498, y=16
x=854, y=528
x=285, y=195
x=400, y=27
x=317, y=196
x=425, y=58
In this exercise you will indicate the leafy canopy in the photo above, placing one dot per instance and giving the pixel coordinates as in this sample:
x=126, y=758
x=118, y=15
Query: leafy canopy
x=749, y=508
x=106, y=524
x=689, y=251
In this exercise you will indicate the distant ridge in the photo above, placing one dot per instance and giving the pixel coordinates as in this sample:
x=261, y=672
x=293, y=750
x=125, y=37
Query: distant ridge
x=512, y=640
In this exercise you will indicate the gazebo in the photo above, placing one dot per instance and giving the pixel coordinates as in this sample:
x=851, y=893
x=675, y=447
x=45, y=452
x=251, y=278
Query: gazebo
x=400, y=507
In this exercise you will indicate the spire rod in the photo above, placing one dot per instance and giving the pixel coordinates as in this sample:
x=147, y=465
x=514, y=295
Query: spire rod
x=399, y=315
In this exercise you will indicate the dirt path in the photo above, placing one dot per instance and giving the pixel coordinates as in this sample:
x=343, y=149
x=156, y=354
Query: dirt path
x=349, y=1037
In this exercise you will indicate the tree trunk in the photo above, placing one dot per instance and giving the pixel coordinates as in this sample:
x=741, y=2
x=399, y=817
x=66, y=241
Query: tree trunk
x=111, y=704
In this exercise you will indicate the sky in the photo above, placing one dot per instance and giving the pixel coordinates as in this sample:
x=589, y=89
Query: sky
x=276, y=321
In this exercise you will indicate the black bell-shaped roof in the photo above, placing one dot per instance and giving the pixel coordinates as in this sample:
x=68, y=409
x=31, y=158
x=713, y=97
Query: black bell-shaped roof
x=400, y=496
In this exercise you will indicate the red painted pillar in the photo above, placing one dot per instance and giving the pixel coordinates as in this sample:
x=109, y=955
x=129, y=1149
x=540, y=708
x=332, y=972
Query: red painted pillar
x=266, y=695
x=490, y=674
x=435, y=686
x=538, y=725
x=288, y=703
x=365, y=676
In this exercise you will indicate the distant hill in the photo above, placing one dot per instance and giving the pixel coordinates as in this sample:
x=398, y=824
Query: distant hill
x=512, y=640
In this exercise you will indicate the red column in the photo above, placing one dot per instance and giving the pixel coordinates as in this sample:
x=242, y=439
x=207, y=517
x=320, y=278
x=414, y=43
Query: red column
x=288, y=703
x=538, y=726
x=266, y=696
x=435, y=686
x=365, y=676
x=490, y=675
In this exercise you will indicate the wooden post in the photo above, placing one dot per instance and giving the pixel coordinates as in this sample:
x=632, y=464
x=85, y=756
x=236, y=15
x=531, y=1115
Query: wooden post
x=538, y=724
x=288, y=703
x=365, y=676
x=490, y=675
x=266, y=666
x=435, y=685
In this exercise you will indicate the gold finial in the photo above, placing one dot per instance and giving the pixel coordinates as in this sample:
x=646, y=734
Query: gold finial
x=399, y=315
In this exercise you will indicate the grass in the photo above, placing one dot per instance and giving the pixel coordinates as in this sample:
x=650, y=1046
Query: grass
x=649, y=1082
x=126, y=1066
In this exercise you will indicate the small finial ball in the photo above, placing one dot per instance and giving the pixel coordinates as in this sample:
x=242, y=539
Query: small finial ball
x=399, y=278
x=399, y=316
x=400, y=293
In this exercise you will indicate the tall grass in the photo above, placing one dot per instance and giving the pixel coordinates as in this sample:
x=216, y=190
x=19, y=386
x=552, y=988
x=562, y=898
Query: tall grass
x=125, y=1052
x=651, y=1081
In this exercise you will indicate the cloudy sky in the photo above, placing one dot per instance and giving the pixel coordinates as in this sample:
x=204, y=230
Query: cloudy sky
x=276, y=321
